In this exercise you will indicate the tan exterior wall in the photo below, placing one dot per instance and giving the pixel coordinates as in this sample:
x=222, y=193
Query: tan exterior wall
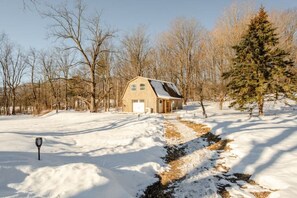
x=148, y=95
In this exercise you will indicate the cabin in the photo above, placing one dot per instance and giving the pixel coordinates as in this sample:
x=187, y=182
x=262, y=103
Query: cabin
x=145, y=95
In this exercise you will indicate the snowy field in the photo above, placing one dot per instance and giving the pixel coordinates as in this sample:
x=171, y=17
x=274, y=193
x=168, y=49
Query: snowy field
x=264, y=147
x=83, y=154
x=117, y=155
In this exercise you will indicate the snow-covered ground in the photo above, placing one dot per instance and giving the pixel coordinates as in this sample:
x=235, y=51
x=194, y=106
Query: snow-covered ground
x=265, y=147
x=83, y=154
x=117, y=155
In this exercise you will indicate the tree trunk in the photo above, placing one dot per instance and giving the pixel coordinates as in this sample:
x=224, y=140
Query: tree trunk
x=57, y=105
x=221, y=104
x=93, y=92
x=185, y=99
x=35, y=103
x=261, y=106
x=203, y=108
x=66, y=90
x=221, y=101
x=13, y=101
x=5, y=97
x=186, y=94
x=38, y=104
x=117, y=94
x=108, y=96
x=6, y=103
x=104, y=95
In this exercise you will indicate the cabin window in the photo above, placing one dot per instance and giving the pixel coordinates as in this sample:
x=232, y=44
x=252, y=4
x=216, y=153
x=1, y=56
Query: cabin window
x=133, y=87
x=142, y=86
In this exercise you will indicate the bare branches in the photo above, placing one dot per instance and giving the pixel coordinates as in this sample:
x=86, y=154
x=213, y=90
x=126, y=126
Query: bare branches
x=179, y=46
x=84, y=35
x=135, y=55
x=13, y=65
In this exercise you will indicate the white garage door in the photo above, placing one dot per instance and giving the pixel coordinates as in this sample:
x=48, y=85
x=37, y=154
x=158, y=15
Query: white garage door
x=138, y=106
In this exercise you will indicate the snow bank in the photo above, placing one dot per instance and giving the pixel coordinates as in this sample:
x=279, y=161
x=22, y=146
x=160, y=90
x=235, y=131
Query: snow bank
x=83, y=154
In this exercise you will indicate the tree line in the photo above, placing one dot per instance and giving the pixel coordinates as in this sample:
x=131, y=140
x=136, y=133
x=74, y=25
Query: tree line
x=88, y=70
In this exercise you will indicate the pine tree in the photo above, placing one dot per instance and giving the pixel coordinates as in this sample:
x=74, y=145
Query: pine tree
x=260, y=68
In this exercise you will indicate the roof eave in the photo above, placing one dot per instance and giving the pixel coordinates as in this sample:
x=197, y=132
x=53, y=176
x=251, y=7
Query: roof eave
x=172, y=98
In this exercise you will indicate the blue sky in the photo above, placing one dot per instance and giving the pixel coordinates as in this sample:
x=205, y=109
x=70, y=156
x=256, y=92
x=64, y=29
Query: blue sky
x=28, y=29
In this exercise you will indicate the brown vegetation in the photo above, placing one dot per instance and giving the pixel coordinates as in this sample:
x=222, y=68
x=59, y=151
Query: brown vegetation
x=171, y=131
x=200, y=129
x=215, y=143
x=173, y=157
x=261, y=194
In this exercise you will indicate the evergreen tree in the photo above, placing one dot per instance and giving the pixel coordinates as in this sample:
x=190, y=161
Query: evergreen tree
x=260, y=68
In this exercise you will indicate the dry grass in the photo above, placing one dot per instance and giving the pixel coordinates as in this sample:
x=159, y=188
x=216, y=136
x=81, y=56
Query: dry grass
x=43, y=112
x=173, y=157
x=242, y=177
x=224, y=193
x=245, y=177
x=215, y=143
x=222, y=168
x=263, y=194
x=173, y=174
x=171, y=131
x=200, y=129
x=220, y=145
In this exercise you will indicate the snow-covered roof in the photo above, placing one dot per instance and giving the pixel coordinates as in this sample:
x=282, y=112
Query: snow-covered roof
x=166, y=90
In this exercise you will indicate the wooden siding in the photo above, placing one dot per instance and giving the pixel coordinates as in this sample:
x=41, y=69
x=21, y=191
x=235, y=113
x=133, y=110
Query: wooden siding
x=148, y=95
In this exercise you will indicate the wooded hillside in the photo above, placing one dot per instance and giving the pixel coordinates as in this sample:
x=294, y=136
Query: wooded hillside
x=90, y=65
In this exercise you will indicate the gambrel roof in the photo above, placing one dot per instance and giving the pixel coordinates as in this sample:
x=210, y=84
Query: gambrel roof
x=162, y=89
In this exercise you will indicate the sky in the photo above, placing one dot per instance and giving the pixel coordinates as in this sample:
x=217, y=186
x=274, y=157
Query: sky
x=27, y=28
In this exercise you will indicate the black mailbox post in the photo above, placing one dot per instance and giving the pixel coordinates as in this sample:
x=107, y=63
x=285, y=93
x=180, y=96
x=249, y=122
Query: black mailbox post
x=38, y=142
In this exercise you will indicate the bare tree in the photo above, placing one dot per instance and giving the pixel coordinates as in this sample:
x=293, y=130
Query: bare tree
x=286, y=24
x=165, y=61
x=65, y=61
x=179, y=46
x=134, y=54
x=228, y=31
x=29, y=3
x=32, y=60
x=84, y=35
x=202, y=75
x=6, y=50
x=13, y=66
x=105, y=77
x=15, y=74
x=51, y=74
